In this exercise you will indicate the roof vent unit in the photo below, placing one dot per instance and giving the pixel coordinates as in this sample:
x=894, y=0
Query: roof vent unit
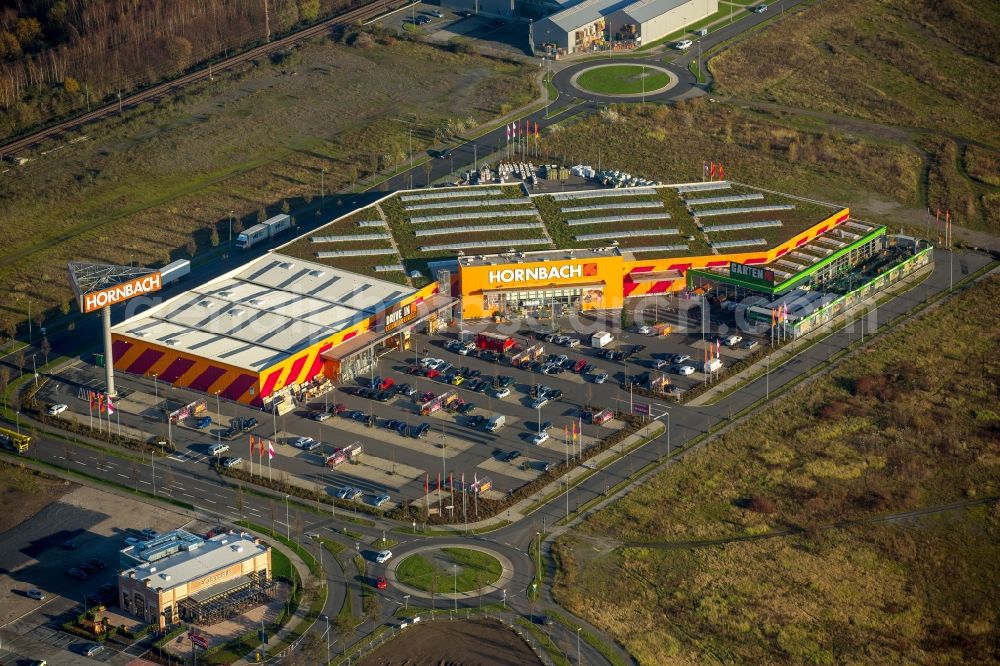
x=235, y=312
x=165, y=576
x=224, y=542
x=257, y=302
x=237, y=549
x=140, y=334
x=173, y=342
x=205, y=304
x=152, y=569
x=285, y=264
x=226, y=293
x=317, y=273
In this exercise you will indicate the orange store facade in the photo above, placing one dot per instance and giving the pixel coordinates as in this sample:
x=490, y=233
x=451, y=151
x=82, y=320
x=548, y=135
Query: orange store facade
x=531, y=283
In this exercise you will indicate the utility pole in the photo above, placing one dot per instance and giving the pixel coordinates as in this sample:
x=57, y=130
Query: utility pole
x=230, y=230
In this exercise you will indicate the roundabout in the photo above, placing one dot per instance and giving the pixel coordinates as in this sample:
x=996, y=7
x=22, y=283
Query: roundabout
x=441, y=569
x=624, y=80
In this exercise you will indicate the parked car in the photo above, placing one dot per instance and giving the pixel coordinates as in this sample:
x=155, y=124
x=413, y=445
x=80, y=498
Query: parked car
x=750, y=344
x=600, y=377
x=383, y=556
x=303, y=443
x=466, y=408
x=501, y=393
x=420, y=430
x=685, y=370
x=218, y=449
x=437, y=13
x=35, y=594
x=511, y=456
x=79, y=574
x=57, y=409
x=760, y=9
x=683, y=45
x=203, y=422
x=540, y=438
x=380, y=500
x=93, y=650
x=232, y=462
x=644, y=330
x=320, y=416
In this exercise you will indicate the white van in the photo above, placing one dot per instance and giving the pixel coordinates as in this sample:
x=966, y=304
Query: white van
x=218, y=449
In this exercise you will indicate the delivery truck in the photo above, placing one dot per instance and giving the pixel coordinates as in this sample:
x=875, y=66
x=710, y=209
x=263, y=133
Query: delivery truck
x=495, y=423
x=259, y=233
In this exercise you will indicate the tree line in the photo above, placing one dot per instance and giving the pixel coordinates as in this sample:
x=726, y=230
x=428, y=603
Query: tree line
x=57, y=56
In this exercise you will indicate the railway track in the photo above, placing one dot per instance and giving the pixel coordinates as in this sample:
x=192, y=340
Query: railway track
x=362, y=13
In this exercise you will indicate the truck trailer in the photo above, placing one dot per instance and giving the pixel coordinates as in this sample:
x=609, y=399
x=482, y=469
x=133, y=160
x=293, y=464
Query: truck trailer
x=259, y=233
x=174, y=271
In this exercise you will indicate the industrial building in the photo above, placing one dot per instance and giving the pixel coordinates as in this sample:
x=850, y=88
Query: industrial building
x=272, y=326
x=591, y=25
x=181, y=577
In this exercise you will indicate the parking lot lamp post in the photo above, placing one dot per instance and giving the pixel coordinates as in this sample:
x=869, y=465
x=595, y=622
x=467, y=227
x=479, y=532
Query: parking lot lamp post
x=578, y=645
x=18, y=417
x=156, y=391
x=230, y=233
x=218, y=413
x=327, y=618
x=454, y=569
x=288, y=527
x=505, y=599
x=406, y=601
x=34, y=370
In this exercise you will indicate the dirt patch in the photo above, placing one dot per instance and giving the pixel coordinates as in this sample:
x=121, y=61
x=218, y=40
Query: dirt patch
x=445, y=643
x=24, y=492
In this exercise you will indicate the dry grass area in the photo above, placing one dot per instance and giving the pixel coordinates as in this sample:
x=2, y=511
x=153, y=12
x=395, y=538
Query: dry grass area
x=154, y=184
x=983, y=165
x=932, y=66
x=911, y=423
x=670, y=143
x=24, y=492
x=912, y=62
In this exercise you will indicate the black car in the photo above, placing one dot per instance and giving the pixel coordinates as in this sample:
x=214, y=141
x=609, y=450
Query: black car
x=88, y=567
x=511, y=456
x=100, y=564
x=420, y=430
x=476, y=420
x=401, y=428
x=638, y=348
x=466, y=408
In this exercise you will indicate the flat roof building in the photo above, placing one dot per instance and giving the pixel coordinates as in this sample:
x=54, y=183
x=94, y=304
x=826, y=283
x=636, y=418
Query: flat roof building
x=591, y=25
x=266, y=328
x=200, y=583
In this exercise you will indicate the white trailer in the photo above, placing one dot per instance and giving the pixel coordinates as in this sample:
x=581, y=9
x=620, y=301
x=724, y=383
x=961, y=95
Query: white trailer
x=174, y=271
x=261, y=232
x=600, y=339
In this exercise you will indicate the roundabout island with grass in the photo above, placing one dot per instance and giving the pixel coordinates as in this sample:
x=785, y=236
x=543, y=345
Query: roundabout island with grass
x=448, y=569
x=623, y=80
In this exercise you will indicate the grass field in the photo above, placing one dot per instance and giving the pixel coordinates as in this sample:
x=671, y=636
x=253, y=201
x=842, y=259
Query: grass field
x=909, y=424
x=622, y=79
x=475, y=569
x=928, y=66
x=148, y=184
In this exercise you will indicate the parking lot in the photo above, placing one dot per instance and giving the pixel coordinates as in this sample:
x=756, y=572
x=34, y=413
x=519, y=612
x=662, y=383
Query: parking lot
x=86, y=525
x=396, y=464
x=441, y=24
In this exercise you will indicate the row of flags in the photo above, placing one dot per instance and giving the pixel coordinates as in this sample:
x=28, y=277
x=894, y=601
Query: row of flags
x=525, y=130
x=942, y=224
x=779, y=315
x=711, y=171
x=451, y=481
x=102, y=401
x=258, y=443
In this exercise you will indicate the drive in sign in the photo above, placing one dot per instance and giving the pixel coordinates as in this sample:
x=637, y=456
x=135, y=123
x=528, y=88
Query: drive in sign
x=122, y=292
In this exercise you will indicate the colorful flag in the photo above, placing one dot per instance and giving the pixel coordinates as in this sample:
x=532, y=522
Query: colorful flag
x=427, y=482
x=704, y=169
x=91, y=396
x=253, y=445
x=720, y=172
x=711, y=171
x=508, y=133
x=111, y=407
x=786, y=311
x=100, y=403
x=270, y=451
x=536, y=129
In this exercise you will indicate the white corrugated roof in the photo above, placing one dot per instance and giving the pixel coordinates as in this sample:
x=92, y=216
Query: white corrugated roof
x=264, y=311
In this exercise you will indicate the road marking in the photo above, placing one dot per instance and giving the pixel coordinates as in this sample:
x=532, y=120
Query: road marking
x=208, y=500
x=188, y=495
x=146, y=482
x=124, y=476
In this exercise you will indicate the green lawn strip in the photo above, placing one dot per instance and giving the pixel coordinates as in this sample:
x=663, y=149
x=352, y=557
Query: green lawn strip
x=622, y=79
x=299, y=550
x=538, y=580
x=689, y=30
x=592, y=640
x=417, y=572
x=476, y=568
x=450, y=533
x=555, y=654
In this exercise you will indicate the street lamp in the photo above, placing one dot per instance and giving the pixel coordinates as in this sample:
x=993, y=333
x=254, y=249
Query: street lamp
x=218, y=413
x=578, y=662
x=454, y=568
x=156, y=392
x=406, y=601
x=288, y=526
x=230, y=233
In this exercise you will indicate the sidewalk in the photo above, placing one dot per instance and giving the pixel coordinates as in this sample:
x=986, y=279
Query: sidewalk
x=786, y=353
x=298, y=618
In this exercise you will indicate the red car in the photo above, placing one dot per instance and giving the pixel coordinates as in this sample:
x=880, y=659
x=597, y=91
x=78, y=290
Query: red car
x=579, y=366
x=432, y=373
x=380, y=583
x=426, y=397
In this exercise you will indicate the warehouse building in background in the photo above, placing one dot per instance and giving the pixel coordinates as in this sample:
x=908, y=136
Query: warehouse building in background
x=591, y=25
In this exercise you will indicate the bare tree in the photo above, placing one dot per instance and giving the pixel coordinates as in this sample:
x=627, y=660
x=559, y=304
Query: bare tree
x=4, y=381
x=46, y=347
